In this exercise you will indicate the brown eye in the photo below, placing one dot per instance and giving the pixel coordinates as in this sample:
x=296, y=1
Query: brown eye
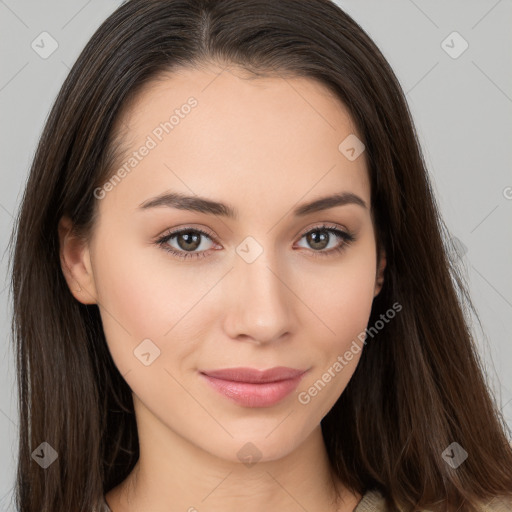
x=318, y=239
x=185, y=243
x=188, y=240
x=324, y=237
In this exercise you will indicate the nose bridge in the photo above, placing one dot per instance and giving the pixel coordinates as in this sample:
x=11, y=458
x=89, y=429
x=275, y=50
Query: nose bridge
x=260, y=301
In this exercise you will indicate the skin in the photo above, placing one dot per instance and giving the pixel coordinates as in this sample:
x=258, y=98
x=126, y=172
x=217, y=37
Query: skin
x=264, y=146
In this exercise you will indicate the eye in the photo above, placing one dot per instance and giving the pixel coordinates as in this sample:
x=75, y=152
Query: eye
x=321, y=237
x=187, y=241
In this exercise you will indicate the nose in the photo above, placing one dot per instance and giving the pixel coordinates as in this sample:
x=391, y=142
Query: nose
x=258, y=300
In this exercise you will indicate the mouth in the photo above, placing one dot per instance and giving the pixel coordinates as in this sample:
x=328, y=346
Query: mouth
x=250, y=387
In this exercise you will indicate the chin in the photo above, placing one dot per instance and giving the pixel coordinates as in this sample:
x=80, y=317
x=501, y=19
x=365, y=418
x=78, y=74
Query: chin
x=256, y=447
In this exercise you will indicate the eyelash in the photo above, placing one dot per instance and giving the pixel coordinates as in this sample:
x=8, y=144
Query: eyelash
x=347, y=238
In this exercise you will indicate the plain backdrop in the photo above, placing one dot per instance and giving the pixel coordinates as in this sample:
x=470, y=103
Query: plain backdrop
x=453, y=61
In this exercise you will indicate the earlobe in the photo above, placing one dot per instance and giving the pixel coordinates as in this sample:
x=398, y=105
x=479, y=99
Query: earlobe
x=379, y=279
x=76, y=263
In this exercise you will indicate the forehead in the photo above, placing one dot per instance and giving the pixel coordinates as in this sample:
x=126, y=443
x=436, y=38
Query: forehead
x=219, y=131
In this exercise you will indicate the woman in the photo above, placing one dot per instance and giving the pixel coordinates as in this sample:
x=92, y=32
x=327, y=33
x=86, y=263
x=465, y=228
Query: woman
x=230, y=283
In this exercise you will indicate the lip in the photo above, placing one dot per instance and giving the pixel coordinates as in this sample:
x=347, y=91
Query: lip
x=251, y=387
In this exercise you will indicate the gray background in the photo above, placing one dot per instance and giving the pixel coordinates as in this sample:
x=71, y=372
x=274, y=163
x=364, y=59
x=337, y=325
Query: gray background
x=462, y=109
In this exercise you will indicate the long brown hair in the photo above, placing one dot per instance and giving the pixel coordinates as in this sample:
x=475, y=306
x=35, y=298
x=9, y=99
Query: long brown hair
x=419, y=385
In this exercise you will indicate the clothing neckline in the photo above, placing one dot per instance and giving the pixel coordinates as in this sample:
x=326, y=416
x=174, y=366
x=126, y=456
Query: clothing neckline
x=369, y=503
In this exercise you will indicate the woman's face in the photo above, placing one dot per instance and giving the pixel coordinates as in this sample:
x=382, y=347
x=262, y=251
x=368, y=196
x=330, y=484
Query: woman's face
x=265, y=287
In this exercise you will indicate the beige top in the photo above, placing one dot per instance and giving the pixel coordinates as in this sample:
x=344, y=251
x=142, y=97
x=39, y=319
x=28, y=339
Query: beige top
x=373, y=501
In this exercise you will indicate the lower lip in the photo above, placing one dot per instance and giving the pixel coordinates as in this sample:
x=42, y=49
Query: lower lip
x=254, y=395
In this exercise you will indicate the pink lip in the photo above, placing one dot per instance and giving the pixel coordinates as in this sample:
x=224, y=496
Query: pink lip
x=250, y=387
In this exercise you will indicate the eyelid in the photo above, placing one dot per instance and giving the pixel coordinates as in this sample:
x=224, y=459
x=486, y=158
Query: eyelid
x=185, y=227
x=212, y=236
x=322, y=225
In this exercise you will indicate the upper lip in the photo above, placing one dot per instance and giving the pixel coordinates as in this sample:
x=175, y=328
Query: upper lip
x=253, y=375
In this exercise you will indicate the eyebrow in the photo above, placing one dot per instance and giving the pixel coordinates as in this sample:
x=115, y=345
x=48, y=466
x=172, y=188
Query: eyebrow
x=208, y=206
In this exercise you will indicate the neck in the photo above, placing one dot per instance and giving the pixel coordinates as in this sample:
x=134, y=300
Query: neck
x=173, y=474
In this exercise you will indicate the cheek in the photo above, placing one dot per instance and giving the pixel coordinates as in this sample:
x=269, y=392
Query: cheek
x=341, y=297
x=145, y=297
x=342, y=301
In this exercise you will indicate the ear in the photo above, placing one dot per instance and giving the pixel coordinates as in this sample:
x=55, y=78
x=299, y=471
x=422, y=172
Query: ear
x=76, y=263
x=379, y=277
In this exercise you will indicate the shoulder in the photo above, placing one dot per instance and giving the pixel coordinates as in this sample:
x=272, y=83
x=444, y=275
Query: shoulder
x=373, y=501
x=498, y=505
